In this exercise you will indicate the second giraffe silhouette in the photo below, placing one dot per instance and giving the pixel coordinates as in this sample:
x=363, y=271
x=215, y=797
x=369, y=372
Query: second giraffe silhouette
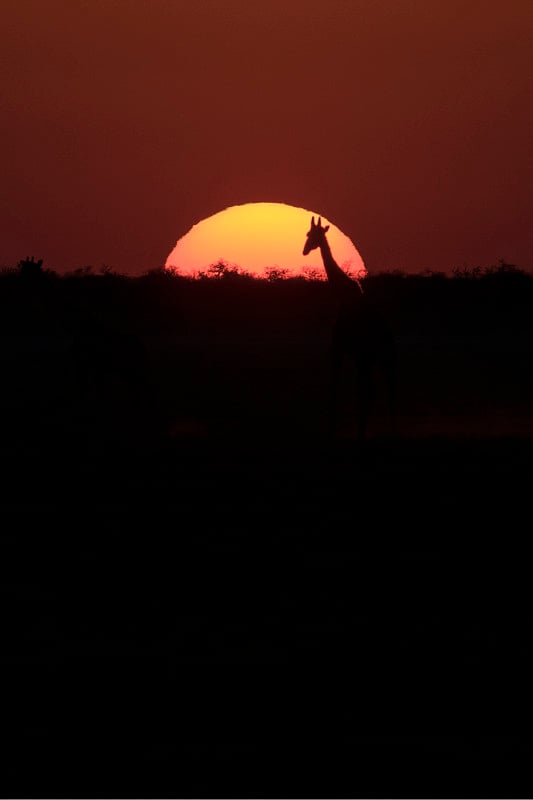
x=359, y=333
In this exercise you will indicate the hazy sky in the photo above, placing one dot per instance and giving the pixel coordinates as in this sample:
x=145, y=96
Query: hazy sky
x=408, y=123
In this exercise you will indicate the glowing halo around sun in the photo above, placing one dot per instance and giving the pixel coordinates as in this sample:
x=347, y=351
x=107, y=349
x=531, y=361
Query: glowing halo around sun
x=259, y=237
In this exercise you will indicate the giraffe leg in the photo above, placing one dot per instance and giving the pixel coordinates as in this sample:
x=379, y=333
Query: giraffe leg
x=390, y=388
x=363, y=400
x=333, y=391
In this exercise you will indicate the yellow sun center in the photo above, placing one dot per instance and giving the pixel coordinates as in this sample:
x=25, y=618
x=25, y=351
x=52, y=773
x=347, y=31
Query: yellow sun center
x=257, y=237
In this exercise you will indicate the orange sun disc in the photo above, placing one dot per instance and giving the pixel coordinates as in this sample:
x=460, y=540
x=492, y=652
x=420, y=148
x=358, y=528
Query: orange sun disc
x=257, y=238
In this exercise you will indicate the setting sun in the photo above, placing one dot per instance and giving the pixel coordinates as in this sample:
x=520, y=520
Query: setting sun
x=257, y=237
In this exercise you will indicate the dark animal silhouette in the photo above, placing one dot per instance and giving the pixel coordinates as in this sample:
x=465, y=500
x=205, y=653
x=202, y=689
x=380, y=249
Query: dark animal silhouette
x=359, y=333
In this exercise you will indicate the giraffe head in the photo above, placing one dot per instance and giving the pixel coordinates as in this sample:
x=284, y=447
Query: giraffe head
x=315, y=235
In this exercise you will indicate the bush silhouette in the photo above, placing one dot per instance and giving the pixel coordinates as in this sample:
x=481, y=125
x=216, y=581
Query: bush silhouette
x=30, y=269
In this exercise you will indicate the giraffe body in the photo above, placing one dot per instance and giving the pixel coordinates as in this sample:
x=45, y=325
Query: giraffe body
x=359, y=334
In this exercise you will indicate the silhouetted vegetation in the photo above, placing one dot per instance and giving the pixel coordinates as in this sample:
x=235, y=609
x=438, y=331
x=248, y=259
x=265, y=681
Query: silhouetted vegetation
x=497, y=296
x=173, y=518
x=190, y=337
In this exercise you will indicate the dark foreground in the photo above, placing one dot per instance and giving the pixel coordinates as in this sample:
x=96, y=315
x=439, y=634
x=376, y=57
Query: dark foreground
x=206, y=596
x=240, y=617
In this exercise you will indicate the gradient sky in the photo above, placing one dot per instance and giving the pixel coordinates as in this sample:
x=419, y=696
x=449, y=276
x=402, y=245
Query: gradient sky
x=408, y=123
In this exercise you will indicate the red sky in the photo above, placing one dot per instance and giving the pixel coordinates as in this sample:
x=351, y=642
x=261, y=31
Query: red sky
x=408, y=123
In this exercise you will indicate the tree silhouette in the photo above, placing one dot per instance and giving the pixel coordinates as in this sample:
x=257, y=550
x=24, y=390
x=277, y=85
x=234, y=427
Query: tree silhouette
x=29, y=268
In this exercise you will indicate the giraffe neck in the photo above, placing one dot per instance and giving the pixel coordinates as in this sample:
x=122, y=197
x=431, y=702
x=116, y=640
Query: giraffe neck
x=344, y=286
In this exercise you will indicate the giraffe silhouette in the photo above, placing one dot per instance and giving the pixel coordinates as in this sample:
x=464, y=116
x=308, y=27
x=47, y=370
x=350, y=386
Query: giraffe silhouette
x=359, y=334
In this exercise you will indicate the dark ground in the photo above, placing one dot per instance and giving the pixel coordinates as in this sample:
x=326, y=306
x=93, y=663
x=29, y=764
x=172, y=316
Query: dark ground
x=221, y=601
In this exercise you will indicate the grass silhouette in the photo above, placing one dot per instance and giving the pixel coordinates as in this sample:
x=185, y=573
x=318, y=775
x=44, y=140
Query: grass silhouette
x=207, y=596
